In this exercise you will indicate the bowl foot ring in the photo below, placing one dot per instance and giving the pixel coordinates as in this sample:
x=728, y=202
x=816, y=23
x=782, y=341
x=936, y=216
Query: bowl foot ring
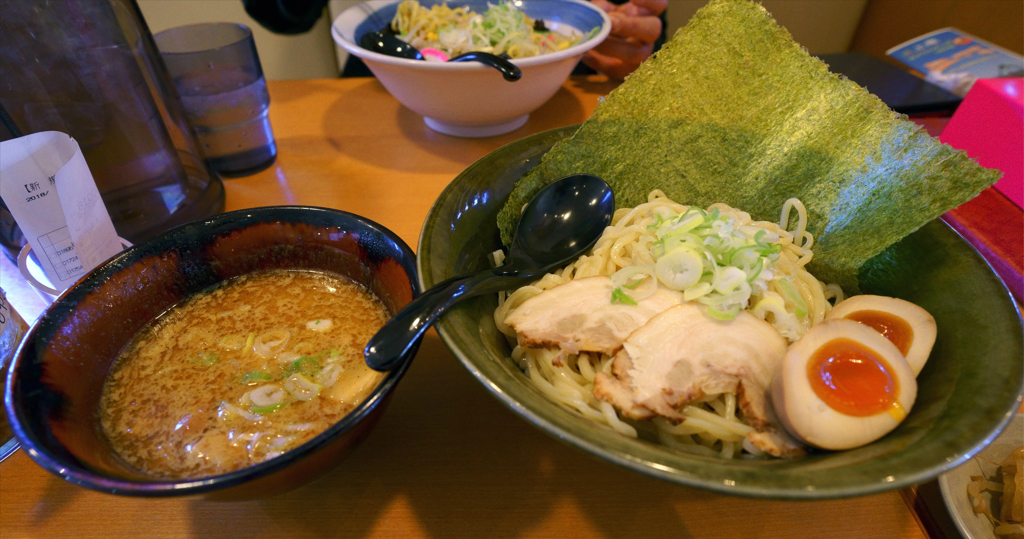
x=476, y=131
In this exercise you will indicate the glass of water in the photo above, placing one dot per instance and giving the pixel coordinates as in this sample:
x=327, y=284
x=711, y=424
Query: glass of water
x=217, y=72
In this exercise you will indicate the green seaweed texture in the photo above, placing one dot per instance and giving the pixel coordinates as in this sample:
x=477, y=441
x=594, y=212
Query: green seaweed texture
x=733, y=110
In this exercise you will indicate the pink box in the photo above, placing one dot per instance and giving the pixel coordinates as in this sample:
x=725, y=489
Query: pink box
x=989, y=126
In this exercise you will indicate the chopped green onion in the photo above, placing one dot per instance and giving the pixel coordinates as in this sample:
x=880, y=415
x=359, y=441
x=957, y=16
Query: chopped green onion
x=789, y=292
x=728, y=280
x=727, y=314
x=755, y=271
x=745, y=256
x=256, y=376
x=711, y=259
x=696, y=291
x=658, y=220
x=304, y=365
x=618, y=296
x=635, y=283
x=679, y=269
x=301, y=388
x=269, y=409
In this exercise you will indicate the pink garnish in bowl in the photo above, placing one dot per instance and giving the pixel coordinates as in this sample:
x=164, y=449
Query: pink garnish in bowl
x=434, y=55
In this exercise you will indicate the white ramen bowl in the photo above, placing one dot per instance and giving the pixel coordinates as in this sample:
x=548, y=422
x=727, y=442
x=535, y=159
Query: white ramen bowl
x=469, y=99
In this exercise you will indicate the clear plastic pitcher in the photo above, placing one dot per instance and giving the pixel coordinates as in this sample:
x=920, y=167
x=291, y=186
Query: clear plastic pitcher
x=90, y=68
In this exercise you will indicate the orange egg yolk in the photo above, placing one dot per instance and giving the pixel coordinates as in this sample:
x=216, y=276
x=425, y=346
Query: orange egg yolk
x=853, y=379
x=892, y=327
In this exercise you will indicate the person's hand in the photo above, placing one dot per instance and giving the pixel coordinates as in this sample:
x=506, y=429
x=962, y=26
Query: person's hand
x=635, y=27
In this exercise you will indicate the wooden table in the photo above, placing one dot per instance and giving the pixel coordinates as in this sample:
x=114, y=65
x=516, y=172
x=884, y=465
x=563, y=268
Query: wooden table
x=447, y=459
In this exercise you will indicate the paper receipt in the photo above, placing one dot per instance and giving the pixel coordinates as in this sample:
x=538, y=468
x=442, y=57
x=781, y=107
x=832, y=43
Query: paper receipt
x=46, y=184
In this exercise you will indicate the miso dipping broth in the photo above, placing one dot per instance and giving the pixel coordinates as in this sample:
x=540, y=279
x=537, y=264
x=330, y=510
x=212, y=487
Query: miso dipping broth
x=240, y=373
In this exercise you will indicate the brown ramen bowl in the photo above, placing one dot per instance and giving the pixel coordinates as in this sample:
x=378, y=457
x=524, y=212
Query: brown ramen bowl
x=54, y=385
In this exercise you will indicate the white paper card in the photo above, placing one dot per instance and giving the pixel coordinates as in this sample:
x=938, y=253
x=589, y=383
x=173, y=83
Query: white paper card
x=5, y=317
x=47, y=186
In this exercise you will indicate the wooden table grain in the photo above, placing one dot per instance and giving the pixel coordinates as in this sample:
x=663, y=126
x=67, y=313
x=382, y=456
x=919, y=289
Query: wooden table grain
x=447, y=459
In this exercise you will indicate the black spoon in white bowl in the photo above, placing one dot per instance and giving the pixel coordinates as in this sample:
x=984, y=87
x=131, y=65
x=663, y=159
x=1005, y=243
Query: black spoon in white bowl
x=561, y=222
x=390, y=45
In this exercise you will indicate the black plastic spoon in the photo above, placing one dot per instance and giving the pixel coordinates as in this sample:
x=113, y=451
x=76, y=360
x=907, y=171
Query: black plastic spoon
x=390, y=45
x=509, y=71
x=560, y=223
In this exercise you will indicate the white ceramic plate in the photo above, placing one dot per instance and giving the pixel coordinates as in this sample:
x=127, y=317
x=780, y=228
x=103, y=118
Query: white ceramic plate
x=954, y=483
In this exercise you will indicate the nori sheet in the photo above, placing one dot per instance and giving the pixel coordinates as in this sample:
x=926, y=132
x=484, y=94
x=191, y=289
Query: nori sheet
x=733, y=110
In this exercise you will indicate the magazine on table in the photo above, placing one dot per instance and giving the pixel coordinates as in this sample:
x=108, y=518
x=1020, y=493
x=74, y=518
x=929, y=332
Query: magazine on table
x=954, y=59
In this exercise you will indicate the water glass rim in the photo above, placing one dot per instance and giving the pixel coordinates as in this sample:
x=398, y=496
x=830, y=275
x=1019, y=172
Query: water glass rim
x=182, y=40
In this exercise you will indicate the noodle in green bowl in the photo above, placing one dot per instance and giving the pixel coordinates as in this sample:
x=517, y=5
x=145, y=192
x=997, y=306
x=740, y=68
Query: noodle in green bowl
x=717, y=257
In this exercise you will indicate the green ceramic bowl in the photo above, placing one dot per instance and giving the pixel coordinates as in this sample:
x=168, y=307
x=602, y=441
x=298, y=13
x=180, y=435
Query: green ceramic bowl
x=968, y=391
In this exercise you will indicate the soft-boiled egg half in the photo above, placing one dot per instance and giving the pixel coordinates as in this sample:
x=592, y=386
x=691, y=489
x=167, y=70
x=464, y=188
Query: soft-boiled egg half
x=843, y=385
x=908, y=326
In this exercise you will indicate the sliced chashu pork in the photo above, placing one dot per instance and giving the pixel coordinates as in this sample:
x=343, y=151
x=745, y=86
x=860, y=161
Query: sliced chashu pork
x=579, y=316
x=683, y=354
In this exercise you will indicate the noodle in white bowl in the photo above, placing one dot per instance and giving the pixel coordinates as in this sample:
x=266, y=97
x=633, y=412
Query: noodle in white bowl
x=501, y=29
